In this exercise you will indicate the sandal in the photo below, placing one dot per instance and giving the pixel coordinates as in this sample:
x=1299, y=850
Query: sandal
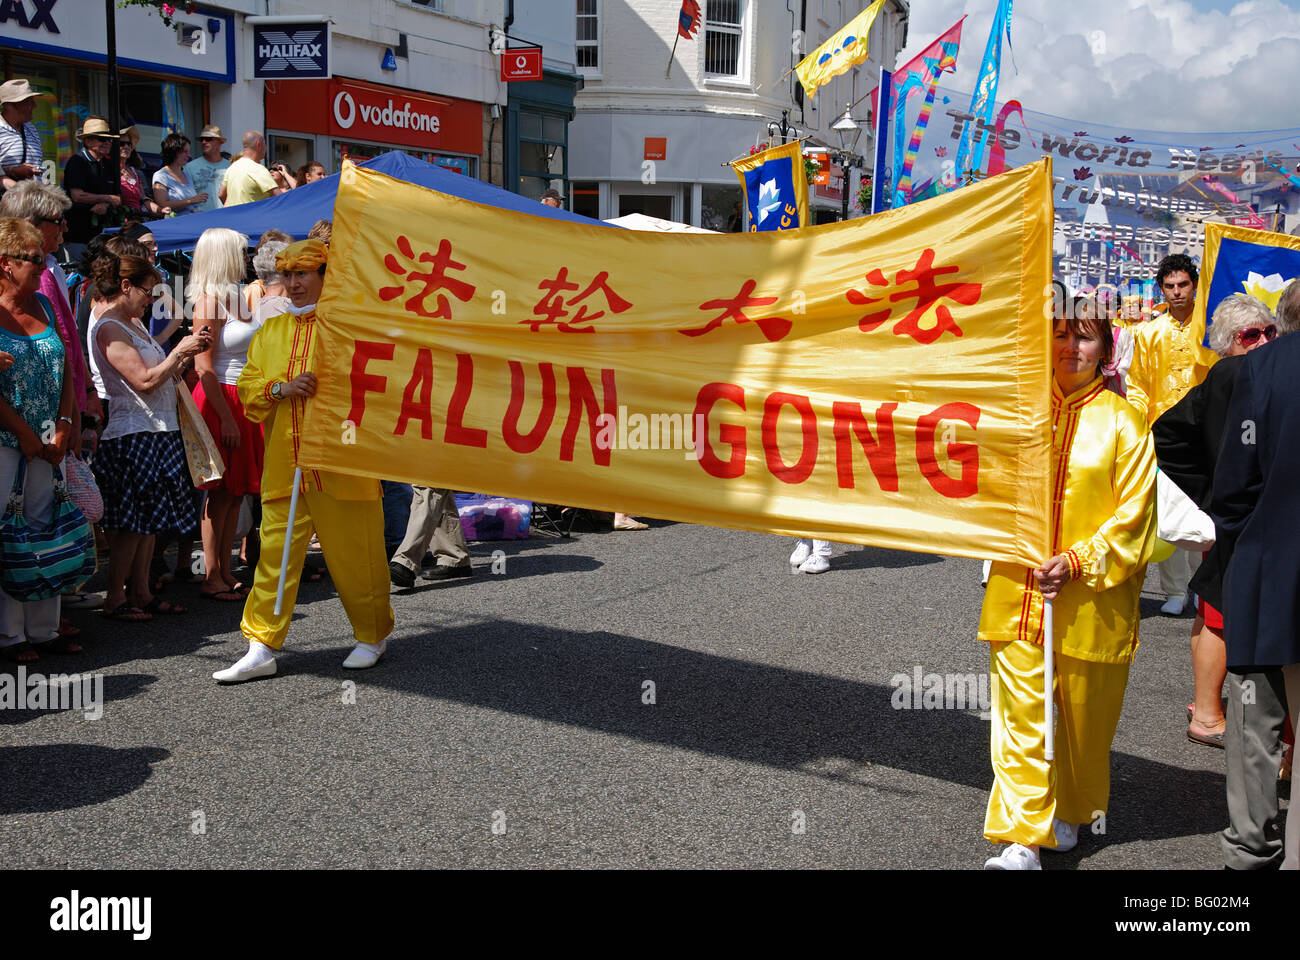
x=60, y=644
x=14, y=653
x=127, y=612
x=1206, y=739
x=159, y=605
x=225, y=596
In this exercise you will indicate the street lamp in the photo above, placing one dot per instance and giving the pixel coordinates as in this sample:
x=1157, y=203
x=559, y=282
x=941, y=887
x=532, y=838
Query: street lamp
x=848, y=130
x=786, y=130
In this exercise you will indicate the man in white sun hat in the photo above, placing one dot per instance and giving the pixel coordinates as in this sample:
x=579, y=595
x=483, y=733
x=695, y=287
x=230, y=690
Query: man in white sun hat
x=21, y=155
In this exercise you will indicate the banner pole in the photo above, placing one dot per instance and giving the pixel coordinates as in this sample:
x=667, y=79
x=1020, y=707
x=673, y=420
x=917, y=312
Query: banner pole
x=882, y=137
x=288, y=540
x=672, y=54
x=1049, y=663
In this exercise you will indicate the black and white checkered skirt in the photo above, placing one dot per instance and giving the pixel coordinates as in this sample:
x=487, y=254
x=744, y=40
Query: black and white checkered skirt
x=145, y=483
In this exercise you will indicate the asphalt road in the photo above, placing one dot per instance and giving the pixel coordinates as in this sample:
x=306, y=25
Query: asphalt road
x=508, y=725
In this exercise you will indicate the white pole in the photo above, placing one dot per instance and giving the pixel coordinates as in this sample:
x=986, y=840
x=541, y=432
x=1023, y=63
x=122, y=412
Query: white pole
x=288, y=542
x=1049, y=662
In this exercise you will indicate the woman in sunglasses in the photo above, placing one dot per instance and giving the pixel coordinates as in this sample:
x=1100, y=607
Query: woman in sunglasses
x=36, y=412
x=140, y=464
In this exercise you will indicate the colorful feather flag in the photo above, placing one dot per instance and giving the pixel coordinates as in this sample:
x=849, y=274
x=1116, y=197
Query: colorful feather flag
x=986, y=92
x=941, y=54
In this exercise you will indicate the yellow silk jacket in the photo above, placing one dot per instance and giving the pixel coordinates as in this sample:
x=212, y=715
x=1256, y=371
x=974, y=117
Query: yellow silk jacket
x=1168, y=360
x=281, y=349
x=1103, y=517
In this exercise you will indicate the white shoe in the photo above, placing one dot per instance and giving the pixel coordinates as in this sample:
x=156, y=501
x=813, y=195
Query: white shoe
x=1015, y=857
x=1067, y=836
x=815, y=564
x=257, y=662
x=365, y=655
x=801, y=553
x=1173, y=606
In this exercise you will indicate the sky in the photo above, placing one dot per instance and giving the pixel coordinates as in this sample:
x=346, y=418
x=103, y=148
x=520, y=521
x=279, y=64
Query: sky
x=1173, y=65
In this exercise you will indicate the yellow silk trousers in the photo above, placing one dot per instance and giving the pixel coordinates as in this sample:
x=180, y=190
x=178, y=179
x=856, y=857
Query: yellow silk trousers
x=351, y=536
x=1027, y=790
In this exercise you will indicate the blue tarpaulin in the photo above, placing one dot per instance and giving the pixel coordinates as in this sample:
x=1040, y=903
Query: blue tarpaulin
x=295, y=212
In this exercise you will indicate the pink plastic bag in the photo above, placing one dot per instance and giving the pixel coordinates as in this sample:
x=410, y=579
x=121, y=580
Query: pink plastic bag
x=82, y=488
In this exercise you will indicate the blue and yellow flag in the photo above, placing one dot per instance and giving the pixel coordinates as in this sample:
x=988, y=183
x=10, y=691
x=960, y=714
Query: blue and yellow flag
x=844, y=50
x=1242, y=260
x=776, y=188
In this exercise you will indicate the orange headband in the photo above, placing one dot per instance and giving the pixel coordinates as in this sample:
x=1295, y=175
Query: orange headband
x=305, y=255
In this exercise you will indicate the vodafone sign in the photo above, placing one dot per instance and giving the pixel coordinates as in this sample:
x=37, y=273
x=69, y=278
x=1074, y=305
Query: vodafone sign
x=521, y=63
x=346, y=111
x=376, y=113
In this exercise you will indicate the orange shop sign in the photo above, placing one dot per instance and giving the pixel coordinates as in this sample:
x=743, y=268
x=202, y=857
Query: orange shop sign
x=375, y=112
x=656, y=148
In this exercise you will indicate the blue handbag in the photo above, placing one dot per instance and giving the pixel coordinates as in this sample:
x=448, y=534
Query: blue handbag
x=36, y=564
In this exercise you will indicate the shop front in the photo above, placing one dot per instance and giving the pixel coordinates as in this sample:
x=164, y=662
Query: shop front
x=330, y=120
x=166, y=74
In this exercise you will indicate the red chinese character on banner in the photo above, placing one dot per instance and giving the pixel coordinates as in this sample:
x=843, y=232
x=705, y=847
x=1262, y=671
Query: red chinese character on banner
x=435, y=279
x=552, y=306
x=927, y=293
x=773, y=328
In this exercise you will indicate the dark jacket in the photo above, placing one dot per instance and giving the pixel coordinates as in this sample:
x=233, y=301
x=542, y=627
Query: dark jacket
x=1188, y=436
x=1256, y=509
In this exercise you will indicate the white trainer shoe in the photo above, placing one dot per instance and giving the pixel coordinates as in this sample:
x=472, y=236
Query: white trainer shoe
x=1067, y=836
x=801, y=553
x=815, y=564
x=365, y=655
x=1015, y=857
x=257, y=662
x=1173, y=607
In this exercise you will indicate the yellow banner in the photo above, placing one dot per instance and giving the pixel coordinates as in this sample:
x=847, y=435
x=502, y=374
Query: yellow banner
x=881, y=380
x=777, y=198
x=842, y=51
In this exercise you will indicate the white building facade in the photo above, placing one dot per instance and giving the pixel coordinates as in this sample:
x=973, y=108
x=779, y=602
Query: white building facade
x=654, y=139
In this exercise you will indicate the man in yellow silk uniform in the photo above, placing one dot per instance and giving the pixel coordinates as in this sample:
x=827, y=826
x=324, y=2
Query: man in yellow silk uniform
x=345, y=512
x=1168, y=360
x=1103, y=515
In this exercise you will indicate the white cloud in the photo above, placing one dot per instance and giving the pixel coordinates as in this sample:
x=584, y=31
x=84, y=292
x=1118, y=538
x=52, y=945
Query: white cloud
x=1162, y=65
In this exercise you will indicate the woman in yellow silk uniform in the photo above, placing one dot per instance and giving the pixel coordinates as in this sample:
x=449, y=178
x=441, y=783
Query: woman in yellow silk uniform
x=1103, y=532
x=344, y=511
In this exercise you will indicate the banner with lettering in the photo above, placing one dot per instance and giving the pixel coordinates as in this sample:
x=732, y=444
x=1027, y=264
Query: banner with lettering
x=1123, y=197
x=880, y=380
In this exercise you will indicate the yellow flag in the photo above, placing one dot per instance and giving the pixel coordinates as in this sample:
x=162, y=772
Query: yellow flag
x=845, y=49
x=775, y=185
x=883, y=380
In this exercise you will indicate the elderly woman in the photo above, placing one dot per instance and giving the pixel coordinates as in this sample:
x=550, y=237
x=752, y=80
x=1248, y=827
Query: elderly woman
x=172, y=189
x=44, y=206
x=256, y=290
x=136, y=196
x=140, y=465
x=275, y=387
x=1103, y=526
x=37, y=407
x=1187, y=445
x=1188, y=438
x=213, y=287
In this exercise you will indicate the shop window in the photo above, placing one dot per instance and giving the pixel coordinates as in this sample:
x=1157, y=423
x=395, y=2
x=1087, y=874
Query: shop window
x=651, y=205
x=721, y=209
x=589, y=34
x=723, y=38
x=585, y=199
x=293, y=152
x=543, y=141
